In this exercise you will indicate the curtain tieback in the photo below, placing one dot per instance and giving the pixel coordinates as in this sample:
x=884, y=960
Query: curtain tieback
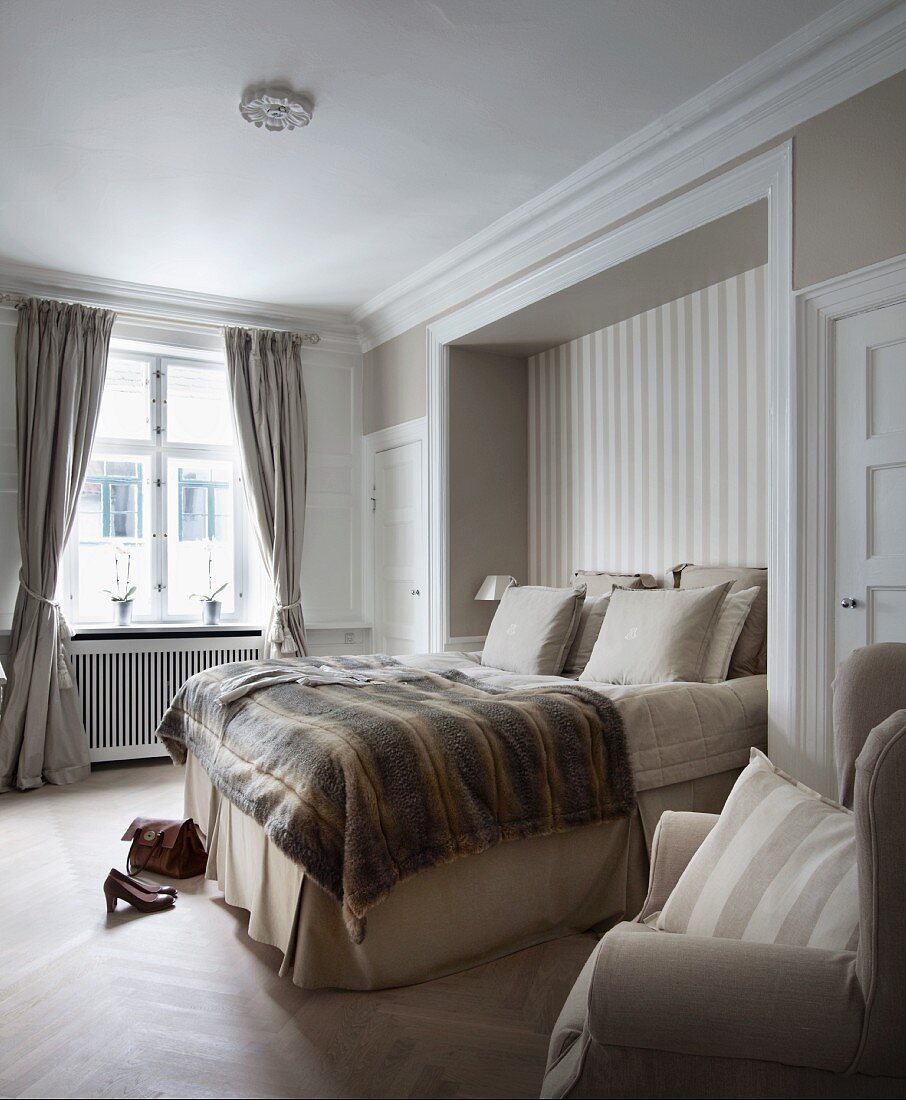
x=63, y=633
x=279, y=635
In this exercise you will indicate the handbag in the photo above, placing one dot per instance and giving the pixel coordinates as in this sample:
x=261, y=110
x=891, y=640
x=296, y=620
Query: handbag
x=174, y=849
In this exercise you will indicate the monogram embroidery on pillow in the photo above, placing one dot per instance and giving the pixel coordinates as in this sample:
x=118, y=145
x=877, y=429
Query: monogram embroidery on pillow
x=511, y=629
x=631, y=635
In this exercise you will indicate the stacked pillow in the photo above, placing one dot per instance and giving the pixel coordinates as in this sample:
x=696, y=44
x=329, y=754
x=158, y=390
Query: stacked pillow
x=627, y=631
x=653, y=636
x=750, y=655
x=533, y=629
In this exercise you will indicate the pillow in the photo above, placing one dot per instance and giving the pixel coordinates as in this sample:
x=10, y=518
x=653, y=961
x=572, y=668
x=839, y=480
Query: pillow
x=750, y=657
x=655, y=635
x=778, y=867
x=729, y=626
x=601, y=584
x=590, y=620
x=532, y=629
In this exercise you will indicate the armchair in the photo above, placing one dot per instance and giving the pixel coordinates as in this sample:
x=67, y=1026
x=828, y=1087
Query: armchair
x=656, y=1014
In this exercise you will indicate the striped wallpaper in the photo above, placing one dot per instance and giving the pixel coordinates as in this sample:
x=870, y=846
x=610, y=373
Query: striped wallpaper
x=648, y=439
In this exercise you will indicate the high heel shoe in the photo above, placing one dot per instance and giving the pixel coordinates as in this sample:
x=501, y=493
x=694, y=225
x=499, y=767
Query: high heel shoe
x=151, y=888
x=117, y=890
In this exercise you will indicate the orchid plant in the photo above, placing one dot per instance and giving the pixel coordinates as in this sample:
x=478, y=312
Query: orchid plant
x=124, y=591
x=212, y=593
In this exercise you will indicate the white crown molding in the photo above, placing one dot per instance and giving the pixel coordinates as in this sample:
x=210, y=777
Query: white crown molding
x=856, y=44
x=138, y=301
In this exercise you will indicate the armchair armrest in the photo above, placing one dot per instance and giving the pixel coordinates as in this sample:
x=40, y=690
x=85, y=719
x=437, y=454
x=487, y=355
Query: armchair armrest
x=677, y=838
x=800, y=1006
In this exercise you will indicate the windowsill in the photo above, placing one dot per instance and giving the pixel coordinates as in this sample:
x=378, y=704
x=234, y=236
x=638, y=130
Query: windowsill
x=157, y=630
x=108, y=631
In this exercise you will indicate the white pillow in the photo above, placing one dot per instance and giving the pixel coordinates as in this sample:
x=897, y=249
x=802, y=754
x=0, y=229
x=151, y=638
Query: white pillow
x=730, y=621
x=655, y=635
x=590, y=621
x=532, y=629
x=778, y=867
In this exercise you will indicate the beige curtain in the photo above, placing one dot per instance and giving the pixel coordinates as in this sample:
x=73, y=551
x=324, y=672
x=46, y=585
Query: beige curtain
x=61, y=361
x=271, y=415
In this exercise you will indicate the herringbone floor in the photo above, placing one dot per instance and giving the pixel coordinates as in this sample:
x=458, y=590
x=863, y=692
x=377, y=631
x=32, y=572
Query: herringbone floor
x=184, y=1004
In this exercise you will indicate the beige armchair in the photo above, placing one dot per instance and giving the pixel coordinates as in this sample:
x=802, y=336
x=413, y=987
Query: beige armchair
x=655, y=1014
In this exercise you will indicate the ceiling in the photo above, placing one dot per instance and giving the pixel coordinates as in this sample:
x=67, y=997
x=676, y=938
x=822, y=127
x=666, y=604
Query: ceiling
x=123, y=154
x=707, y=255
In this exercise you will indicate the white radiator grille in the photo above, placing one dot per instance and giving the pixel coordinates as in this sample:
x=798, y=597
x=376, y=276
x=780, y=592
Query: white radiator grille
x=126, y=685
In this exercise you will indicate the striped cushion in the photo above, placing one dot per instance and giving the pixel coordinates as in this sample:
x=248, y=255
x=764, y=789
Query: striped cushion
x=778, y=867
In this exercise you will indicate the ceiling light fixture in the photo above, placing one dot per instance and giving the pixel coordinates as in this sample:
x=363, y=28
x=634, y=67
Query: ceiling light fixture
x=275, y=108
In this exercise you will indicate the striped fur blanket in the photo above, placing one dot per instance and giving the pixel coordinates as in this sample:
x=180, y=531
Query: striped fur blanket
x=365, y=785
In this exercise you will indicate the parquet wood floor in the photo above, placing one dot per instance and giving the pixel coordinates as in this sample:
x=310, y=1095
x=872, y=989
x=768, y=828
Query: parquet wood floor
x=184, y=1004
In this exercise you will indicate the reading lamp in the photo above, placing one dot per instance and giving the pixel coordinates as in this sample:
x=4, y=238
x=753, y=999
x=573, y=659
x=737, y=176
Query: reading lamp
x=494, y=586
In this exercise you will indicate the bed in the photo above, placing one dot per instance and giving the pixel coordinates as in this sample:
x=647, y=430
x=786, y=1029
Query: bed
x=686, y=744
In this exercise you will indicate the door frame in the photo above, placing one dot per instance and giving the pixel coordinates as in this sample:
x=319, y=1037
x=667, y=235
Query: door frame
x=766, y=176
x=385, y=439
x=818, y=308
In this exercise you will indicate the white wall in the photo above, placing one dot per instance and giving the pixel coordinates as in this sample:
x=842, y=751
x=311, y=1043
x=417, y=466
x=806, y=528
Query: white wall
x=332, y=585
x=648, y=439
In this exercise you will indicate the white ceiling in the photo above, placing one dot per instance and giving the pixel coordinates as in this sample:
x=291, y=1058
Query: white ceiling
x=123, y=154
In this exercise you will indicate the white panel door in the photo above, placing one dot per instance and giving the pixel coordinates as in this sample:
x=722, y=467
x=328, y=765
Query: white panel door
x=870, y=356
x=400, y=602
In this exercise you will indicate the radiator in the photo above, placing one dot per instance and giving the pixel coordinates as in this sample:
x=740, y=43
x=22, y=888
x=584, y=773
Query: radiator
x=126, y=684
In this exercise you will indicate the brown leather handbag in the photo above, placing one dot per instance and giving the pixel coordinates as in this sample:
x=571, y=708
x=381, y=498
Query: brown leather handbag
x=171, y=848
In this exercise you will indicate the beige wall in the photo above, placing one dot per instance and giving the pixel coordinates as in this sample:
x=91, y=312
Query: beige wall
x=849, y=211
x=849, y=185
x=394, y=381
x=488, y=480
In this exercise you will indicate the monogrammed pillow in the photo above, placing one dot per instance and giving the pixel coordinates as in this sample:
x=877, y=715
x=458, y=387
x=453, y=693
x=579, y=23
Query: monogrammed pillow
x=533, y=629
x=655, y=635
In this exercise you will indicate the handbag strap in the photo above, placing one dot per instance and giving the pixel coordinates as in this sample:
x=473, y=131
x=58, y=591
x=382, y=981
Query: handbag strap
x=159, y=840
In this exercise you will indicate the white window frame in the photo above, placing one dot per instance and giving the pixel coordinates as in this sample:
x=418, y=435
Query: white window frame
x=156, y=449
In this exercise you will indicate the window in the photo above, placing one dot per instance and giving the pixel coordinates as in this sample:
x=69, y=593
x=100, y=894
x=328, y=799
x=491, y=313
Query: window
x=161, y=498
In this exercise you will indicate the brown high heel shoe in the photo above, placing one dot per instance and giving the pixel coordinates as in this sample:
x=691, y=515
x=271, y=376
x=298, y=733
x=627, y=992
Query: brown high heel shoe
x=151, y=888
x=117, y=890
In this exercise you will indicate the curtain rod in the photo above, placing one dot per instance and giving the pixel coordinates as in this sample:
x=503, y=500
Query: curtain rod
x=9, y=298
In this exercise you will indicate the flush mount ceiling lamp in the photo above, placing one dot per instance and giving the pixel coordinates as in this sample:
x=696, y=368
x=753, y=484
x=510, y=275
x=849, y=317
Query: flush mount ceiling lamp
x=275, y=108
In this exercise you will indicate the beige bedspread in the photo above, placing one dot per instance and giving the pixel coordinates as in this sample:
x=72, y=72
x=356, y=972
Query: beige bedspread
x=674, y=732
x=368, y=783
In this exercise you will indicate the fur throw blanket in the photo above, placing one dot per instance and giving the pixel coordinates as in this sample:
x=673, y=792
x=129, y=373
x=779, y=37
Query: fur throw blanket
x=369, y=783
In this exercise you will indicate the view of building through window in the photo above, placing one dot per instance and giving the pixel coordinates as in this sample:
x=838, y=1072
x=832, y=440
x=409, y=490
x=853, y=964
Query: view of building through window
x=160, y=493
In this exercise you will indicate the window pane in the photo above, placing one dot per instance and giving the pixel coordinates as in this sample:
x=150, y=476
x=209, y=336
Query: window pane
x=200, y=550
x=112, y=545
x=126, y=403
x=198, y=405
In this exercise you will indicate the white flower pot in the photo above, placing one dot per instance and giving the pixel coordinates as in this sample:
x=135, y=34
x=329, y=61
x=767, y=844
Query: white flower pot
x=122, y=612
x=210, y=612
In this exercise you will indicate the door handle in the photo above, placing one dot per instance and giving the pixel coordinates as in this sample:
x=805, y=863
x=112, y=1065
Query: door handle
x=849, y=602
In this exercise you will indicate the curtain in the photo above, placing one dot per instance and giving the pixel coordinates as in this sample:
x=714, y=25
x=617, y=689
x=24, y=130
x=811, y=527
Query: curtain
x=61, y=362
x=271, y=416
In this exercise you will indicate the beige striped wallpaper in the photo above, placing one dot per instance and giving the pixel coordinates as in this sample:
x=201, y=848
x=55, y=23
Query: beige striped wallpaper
x=648, y=439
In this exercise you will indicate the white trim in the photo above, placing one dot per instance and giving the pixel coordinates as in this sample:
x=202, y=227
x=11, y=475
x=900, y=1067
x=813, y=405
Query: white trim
x=766, y=176
x=848, y=49
x=140, y=303
x=818, y=309
x=397, y=435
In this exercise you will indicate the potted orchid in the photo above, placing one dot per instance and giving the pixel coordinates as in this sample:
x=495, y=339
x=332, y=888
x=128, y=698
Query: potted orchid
x=210, y=605
x=121, y=596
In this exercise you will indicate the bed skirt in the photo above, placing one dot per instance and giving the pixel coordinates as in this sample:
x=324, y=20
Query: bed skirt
x=451, y=917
